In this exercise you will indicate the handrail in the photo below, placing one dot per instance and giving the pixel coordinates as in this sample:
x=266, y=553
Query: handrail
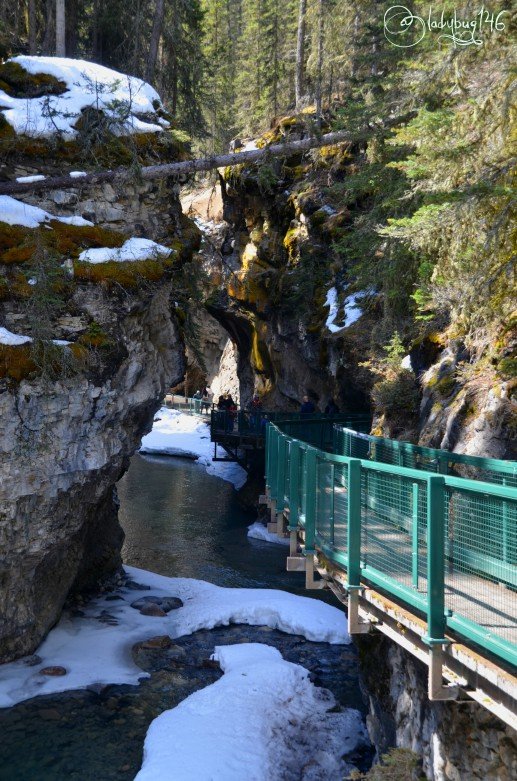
x=438, y=543
x=353, y=443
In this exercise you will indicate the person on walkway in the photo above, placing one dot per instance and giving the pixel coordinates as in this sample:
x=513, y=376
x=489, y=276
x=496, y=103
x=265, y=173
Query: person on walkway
x=307, y=407
x=207, y=399
x=197, y=401
x=231, y=412
x=256, y=413
x=331, y=408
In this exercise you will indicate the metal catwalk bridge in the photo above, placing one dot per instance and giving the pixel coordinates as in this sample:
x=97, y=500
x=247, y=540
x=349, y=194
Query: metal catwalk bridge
x=419, y=543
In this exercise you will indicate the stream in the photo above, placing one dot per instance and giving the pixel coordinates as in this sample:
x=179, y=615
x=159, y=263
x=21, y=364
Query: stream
x=178, y=521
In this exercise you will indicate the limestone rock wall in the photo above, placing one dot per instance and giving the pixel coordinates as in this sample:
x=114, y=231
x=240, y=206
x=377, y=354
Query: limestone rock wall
x=458, y=741
x=63, y=446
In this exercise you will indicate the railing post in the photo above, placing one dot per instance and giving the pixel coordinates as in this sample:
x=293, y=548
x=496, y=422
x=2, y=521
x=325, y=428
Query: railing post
x=435, y=638
x=355, y=625
x=414, y=537
x=294, y=480
x=332, y=501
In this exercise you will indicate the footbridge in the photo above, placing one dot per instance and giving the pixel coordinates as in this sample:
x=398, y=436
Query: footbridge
x=419, y=543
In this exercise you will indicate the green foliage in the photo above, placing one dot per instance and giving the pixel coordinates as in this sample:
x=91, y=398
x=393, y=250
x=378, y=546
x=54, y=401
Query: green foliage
x=399, y=764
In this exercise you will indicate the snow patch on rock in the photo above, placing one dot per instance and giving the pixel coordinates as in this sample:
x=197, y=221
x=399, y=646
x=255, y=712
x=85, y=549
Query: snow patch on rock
x=14, y=212
x=88, y=85
x=15, y=340
x=175, y=433
x=260, y=721
x=96, y=653
x=132, y=249
x=351, y=310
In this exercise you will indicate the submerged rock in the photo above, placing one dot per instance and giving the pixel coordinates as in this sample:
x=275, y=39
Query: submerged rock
x=165, y=603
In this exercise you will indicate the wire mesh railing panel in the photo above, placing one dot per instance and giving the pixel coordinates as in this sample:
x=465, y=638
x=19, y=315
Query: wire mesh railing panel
x=366, y=446
x=481, y=560
x=325, y=501
x=340, y=507
x=393, y=522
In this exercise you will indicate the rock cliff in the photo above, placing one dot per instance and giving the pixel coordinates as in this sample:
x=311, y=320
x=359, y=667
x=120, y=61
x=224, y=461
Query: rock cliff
x=456, y=740
x=88, y=344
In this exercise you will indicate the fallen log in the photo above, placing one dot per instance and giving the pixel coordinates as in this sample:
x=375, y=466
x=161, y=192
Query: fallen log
x=176, y=169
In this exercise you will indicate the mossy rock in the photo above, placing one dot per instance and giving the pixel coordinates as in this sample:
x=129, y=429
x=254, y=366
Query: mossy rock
x=95, y=337
x=128, y=274
x=6, y=129
x=507, y=368
x=260, y=355
x=18, y=83
x=318, y=218
x=18, y=244
x=16, y=363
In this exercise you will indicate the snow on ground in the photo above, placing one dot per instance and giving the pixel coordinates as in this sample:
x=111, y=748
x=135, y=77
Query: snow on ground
x=15, y=340
x=29, y=179
x=77, y=174
x=351, y=307
x=258, y=531
x=88, y=84
x=177, y=434
x=406, y=363
x=15, y=212
x=262, y=720
x=132, y=249
x=96, y=653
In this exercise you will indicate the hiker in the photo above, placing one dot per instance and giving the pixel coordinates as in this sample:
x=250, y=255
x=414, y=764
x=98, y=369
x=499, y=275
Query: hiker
x=307, y=407
x=331, y=408
x=231, y=412
x=256, y=413
x=206, y=402
x=197, y=402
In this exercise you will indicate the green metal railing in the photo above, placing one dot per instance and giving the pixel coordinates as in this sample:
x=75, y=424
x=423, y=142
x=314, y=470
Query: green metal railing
x=390, y=451
x=255, y=422
x=444, y=546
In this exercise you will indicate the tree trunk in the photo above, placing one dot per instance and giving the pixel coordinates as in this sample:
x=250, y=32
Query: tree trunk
x=182, y=169
x=155, y=40
x=300, y=54
x=47, y=45
x=71, y=28
x=60, y=29
x=319, y=68
x=32, y=26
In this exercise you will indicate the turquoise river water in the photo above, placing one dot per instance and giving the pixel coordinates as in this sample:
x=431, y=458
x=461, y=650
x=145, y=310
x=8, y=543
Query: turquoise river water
x=178, y=521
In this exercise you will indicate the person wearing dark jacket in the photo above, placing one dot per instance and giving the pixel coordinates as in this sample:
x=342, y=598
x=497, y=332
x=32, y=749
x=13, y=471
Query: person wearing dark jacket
x=331, y=408
x=307, y=406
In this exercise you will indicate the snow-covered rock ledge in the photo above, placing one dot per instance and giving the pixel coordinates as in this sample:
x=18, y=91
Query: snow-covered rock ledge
x=263, y=720
x=95, y=652
x=176, y=433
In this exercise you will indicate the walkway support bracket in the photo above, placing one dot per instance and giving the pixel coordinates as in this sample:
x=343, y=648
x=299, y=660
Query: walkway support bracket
x=356, y=626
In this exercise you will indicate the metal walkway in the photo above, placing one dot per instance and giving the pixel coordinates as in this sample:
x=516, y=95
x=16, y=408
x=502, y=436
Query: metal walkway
x=408, y=537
